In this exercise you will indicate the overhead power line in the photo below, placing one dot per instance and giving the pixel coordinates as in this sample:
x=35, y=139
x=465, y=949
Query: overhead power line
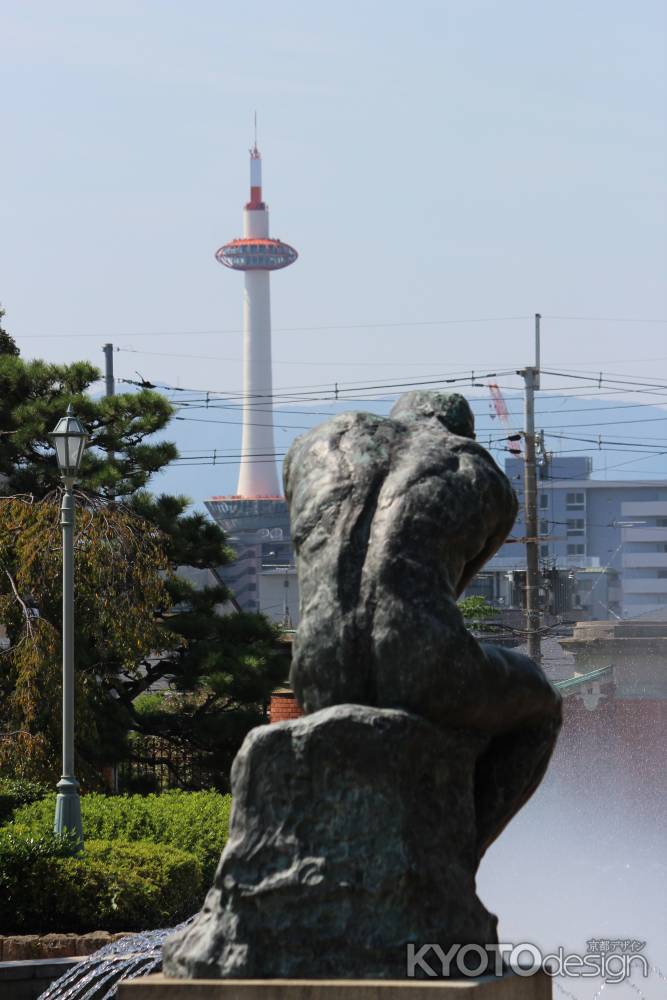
x=469, y=377
x=479, y=430
x=239, y=423
x=337, y=391
x=609, y=379
x=207, y=399
x=373, y=324
x=381, y=325
x=215, y=455
x=364, y=364
x=600, y=440
x=604, y=319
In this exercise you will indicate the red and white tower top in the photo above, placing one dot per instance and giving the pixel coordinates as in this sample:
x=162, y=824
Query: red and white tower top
x=256, y=250
x=255, y=179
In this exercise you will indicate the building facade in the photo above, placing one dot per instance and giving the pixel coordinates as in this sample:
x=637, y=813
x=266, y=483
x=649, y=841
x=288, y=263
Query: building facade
x=263, y=576
x=608, y=536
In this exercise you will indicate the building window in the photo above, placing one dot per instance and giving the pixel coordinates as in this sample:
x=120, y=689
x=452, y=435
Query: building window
x=544, y=500
x=574, y=501
x=276, y=554
x=575, y=527
x=576, y=550
x=544, y=527
x=662, y=574
x=544, y=551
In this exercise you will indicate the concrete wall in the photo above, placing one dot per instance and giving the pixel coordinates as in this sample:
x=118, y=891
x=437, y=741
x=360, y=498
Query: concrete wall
x=26, y=980
x=278, y=587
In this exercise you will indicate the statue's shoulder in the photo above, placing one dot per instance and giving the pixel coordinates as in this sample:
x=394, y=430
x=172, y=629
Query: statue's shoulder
x=350, y=453
x=355, y=423
x=344, y=433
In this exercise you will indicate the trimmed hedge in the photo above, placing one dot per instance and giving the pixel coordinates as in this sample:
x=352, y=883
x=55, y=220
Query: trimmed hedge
x=16, y=792
x=114, y=885
x=196, y=822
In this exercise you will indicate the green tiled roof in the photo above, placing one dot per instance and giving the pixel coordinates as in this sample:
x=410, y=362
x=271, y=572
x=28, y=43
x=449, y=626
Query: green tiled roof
x=572, y=683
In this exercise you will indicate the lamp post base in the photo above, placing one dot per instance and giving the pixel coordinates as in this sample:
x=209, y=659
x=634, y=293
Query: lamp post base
x=68, y=811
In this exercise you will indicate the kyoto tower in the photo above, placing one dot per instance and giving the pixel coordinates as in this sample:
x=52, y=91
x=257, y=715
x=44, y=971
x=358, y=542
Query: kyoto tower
x=257, y=254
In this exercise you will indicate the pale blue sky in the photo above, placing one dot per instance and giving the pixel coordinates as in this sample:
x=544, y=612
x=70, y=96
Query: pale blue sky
x=432, y=161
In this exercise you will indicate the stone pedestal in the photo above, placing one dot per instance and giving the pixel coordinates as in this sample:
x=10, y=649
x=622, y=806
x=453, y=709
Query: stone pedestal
x=509, y=987
x=354, y=832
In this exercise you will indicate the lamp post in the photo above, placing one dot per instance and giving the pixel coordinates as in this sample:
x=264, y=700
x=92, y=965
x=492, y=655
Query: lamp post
x=69, y=437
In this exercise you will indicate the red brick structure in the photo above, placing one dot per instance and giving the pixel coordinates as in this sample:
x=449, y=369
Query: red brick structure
x=284, y=706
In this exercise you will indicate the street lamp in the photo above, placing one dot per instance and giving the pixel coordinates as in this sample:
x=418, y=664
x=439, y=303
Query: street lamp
x=69, y=437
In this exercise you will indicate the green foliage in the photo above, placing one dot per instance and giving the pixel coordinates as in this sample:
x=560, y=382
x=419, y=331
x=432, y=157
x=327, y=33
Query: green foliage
x=15, y=792
x=7, y=343
x=129, y=603
x=33, y=397
x=137, y=623
x=150, y=703
x=120, y=569
x=110, y=885
x=196, y=822
x=21, y=850
x=192, y=539
x=24, y=859
x=476, y=609
x=226, y=667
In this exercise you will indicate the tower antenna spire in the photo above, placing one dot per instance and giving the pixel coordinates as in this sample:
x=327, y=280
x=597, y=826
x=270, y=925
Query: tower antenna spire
x=255, y=130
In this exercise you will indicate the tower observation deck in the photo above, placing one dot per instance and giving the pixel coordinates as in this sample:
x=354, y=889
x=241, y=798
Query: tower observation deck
x=257, y=254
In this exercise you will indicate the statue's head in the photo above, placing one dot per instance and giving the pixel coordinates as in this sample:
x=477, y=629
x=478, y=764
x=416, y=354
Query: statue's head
x=450, y=409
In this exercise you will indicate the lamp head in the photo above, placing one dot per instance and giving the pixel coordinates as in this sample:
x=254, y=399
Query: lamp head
x=69, y=437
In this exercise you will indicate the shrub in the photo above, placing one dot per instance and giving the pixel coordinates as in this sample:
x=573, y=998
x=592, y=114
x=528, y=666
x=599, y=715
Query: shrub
x=110, y=885
x=475, y=609
x=195, y=822
x=21, y=852
x=15, y=792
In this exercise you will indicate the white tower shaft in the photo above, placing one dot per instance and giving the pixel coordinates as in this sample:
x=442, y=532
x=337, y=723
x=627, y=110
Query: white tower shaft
x=258, y=475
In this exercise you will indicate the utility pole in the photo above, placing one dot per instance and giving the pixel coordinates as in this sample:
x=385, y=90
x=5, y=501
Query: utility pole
x=109, y=381
x=531, y=377
x=110, y=390
x=287, y=618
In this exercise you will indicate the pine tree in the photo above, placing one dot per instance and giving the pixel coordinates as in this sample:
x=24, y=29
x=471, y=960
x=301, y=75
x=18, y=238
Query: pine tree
x=119, y=461
x=7, y=343
x=138, y=624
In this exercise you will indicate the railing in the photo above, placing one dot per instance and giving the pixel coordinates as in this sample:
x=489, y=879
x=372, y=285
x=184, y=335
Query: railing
x=157, y=766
